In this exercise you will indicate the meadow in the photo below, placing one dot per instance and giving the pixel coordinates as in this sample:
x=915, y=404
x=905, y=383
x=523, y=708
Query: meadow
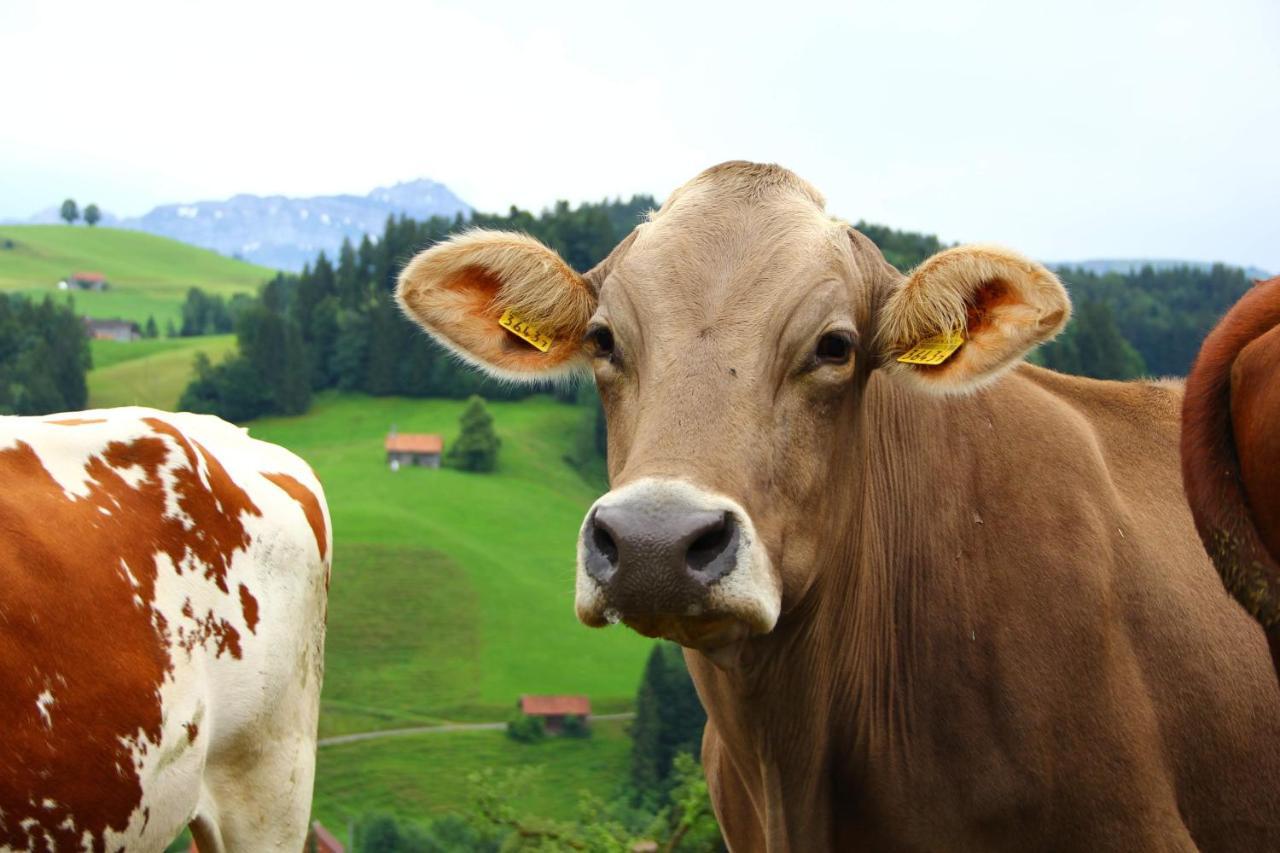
x=150, y=372
x=452, y=594
x=149, y=275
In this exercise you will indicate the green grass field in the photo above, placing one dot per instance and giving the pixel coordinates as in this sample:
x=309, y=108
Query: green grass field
x=149, y=275
x=149, y=372
x=452, y=594
x=422, y=776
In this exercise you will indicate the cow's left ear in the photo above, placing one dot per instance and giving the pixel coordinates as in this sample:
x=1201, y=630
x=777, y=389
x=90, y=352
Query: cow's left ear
x=967, y=314
x=503, y=301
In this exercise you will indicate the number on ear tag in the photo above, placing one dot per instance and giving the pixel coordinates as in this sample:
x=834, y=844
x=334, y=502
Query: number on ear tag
x=934, y=350
x=525, y=330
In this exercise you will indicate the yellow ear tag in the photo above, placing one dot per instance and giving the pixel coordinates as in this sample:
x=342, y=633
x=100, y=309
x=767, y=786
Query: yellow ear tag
x=934, y=350
x=525, y=330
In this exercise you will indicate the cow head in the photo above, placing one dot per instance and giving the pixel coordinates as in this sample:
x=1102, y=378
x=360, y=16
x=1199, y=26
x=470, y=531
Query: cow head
x=731, y=337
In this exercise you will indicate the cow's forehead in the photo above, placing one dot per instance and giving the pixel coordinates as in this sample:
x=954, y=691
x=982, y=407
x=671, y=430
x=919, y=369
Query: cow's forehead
x=712, y=251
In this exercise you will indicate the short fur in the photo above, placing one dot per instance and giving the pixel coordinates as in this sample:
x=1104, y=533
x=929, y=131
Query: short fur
x=458, y=289
x=1231, y=452
x=945, y=294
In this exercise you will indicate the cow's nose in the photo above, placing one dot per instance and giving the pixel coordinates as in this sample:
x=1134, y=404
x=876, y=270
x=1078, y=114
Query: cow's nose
x=667, y=546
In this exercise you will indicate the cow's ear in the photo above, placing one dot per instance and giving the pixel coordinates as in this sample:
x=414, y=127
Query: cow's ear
x=967, y=314
x=502, y=301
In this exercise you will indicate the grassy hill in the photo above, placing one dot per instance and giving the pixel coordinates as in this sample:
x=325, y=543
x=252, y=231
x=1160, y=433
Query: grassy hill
x=149, y=372
x=149, y=275
x=452, y=594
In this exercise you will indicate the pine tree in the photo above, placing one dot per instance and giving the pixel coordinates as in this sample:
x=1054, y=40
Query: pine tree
x=150, y=330
x=669, y=721
x=476, y=448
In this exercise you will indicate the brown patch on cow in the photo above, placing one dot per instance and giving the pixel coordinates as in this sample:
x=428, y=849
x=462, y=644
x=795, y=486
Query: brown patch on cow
x=310, y=506
x=1211, y=457
x=77, y=421
x=192, y=731
x=83, y=652
x=206, y=628
x=220, y=504
x=249, y=607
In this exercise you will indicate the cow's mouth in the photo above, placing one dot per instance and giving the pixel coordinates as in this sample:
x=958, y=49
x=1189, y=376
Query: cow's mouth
x=719, y=637
x=704, y=633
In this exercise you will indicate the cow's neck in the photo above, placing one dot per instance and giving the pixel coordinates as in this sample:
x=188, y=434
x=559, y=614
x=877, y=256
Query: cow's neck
x=825, y=701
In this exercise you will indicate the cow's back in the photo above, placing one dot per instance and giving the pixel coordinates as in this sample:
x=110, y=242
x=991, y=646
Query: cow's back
x=163, y=582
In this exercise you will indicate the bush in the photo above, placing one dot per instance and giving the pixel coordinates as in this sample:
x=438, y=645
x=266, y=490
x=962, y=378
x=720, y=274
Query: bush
x=476, y=448
x=576, y=727
x=526, y=729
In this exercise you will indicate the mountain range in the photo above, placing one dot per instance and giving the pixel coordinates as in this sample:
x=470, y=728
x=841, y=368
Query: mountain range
x=286, y=233
x=283, y=232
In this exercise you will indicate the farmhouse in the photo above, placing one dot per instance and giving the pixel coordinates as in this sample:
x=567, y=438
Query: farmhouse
x=84, y=281
x=555, y=709
x=409, y=449
x=112, y=330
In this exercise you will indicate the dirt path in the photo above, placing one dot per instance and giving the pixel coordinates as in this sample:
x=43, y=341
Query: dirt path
x=356, y=737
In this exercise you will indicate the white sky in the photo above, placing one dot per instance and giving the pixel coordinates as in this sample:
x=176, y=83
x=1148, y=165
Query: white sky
x=1067, y=130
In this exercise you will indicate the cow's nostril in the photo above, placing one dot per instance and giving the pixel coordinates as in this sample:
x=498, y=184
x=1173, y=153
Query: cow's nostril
x=709, y=551
x=605, y=545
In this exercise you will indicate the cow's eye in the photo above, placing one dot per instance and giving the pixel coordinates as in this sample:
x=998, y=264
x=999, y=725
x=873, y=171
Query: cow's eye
x=599, y=341
x=834, y=348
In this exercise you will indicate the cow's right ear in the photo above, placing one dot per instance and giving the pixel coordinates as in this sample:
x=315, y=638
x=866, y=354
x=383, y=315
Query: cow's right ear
x=502, y=301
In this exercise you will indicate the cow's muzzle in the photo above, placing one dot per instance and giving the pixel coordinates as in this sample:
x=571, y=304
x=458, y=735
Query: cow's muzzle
x=673, y=560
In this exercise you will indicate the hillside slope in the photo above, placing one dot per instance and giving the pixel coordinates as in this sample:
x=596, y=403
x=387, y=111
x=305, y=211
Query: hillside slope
x=150, y=372
x=453, y=592
x=149, y=275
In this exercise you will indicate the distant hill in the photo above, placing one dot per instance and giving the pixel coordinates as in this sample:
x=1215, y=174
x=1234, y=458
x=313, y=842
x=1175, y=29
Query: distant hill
x=286, y=233
x=148, y=275
x=282, y=232
x=1127, y=266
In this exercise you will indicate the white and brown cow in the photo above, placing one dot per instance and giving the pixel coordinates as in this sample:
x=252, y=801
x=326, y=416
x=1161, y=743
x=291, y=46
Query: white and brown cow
x=162, y=599
x=951, y=606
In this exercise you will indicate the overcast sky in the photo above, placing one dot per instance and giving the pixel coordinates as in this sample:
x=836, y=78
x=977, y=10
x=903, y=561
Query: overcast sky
x=1067, y=130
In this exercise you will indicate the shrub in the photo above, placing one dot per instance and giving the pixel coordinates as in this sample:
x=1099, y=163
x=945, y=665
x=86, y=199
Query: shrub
x=576, y=727
x=526, y=729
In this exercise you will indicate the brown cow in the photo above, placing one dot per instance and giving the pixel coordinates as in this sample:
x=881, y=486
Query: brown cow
x=957, y=606
x=1231, y=453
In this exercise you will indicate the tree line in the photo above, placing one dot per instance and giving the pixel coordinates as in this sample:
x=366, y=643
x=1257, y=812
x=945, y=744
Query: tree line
x=1149, y=322
x=44, y=357
x=336, y=324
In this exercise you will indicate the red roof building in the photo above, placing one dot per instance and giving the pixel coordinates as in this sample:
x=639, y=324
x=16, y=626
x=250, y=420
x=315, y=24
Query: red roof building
x=84, y=281
x=555, y=709
x=409, y=449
